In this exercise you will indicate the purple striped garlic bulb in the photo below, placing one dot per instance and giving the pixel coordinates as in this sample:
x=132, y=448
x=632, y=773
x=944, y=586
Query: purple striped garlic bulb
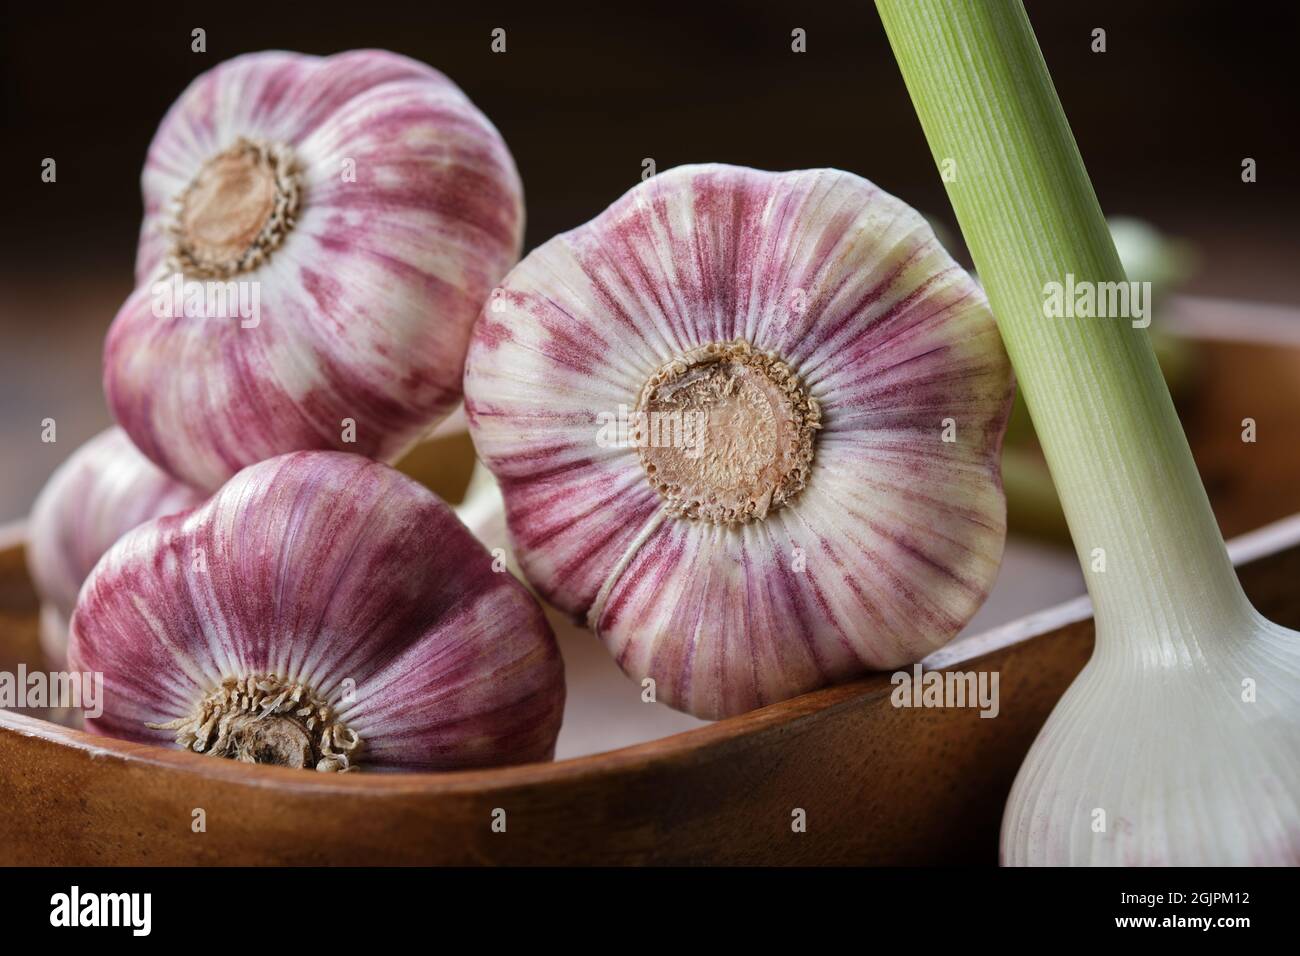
x=104, y=489
x=747, y=426
x=320, y=610
x=319, y=235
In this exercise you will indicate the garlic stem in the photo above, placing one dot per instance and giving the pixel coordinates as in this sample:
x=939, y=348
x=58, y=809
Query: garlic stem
x=1108, y=427
x=1179, y=743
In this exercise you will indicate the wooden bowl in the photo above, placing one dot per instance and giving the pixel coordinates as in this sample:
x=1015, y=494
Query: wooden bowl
x=875, y=783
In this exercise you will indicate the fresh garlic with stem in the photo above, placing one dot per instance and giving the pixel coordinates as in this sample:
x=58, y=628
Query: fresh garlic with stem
x=814, y=395
x=321, y=610
x=332, y=227
x=104, y=489
x=1179, y=743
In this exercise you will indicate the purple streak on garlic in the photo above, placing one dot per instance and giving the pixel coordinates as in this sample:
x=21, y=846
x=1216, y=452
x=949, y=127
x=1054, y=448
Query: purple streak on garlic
x=104, y=489
x=825, y=527
x=321, y=610
x=370, y=205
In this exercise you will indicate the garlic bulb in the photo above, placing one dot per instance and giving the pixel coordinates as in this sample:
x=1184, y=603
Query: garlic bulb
x=319, y=235
x=747, y=426
x=321, y=610
x=104, y=489
x=1178, y=747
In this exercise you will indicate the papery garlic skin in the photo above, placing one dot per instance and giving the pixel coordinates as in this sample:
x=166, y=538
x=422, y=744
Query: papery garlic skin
x=606, y=712
x=893, y=540
x=406, y=210
x=104, y=489
x=1181, y=751
x=341, y=576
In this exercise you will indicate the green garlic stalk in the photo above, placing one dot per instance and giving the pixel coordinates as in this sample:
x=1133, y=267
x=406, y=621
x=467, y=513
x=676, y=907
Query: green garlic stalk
x=1180, y=741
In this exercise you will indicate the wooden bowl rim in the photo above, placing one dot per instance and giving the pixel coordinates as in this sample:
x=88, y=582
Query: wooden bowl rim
x=783, y=717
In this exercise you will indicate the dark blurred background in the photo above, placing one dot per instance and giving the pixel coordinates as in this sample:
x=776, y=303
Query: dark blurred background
x=583, y=94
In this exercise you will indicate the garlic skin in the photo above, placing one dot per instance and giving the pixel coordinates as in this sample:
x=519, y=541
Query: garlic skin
x=341, y=602
x=1155, y=756
x=367, y=204
x=606, y=712
x=825, y=527
x=103, y=490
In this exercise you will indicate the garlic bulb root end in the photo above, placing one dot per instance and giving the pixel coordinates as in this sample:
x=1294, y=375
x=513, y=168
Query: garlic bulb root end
x=236, y=211
x=263, y=718
x=742, y=430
